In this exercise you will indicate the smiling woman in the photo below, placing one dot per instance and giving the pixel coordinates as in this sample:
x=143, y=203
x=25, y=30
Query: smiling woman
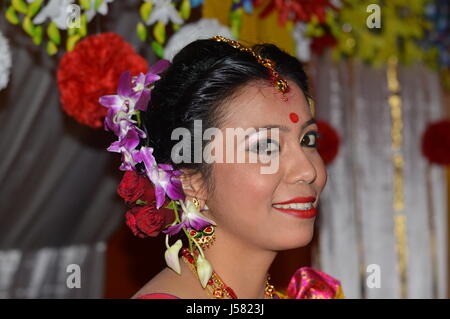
x=235, y=215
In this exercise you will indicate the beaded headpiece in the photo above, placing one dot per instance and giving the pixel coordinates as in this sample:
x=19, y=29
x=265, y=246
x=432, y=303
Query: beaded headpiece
x=279, y=82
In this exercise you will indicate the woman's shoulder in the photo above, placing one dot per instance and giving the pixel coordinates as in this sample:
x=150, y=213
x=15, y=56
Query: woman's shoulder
x=169, y=285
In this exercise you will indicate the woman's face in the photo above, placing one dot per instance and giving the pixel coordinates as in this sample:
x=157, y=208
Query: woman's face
x=243, y=196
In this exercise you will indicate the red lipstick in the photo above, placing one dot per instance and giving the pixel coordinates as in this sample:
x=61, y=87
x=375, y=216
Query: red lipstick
x=297, y=200
x=296, y=212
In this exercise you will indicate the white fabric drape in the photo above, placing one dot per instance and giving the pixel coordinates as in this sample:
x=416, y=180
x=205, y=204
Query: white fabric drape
x=44, y=273
x=58, y=201
x=357, y=219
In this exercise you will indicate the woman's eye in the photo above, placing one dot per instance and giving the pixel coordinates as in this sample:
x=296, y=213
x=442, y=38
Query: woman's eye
x=312, y=135
x=265, y=147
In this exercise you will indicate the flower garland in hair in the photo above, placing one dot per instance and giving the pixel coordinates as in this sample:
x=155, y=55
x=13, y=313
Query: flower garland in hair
x=124, y=119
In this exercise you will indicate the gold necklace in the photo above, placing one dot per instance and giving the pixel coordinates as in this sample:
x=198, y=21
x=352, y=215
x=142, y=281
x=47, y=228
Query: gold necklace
x=216, y=288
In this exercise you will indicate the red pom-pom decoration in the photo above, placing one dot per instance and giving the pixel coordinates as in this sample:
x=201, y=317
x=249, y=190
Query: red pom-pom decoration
x=318, y=45
x=328, y=142
x=436, y=142
x=92, y=70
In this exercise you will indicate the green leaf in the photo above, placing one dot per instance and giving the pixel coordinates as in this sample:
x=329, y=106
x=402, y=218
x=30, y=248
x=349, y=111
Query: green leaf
x=71, y=41
x=158, y=49
x=138, y=117
x=141, y=202
x=176, y=26
x=37, y=38
x=83, y=25
x=185, y=9
x=171, y=205
x=159, y=32
x=85, y=4
x=34, y=7
x=145, y=10
x=11, y=16
x=53, y=33
x=28, y=26
x=141, y=31
x=72, y=31
x=20, y=6
x=52, y=49
x=97, y=4
x=235, y=22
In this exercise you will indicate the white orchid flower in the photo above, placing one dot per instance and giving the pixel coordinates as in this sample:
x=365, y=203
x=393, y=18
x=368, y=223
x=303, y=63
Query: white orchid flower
x=163, y=11
x=171, y=255
x=102, y=9
x=55, y=10
x=204, y=270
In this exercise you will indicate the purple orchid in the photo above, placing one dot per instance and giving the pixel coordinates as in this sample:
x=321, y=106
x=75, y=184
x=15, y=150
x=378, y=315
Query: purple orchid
x=133, y=95
x=191, y=218
x=124, y=105
x=126, y=146
x=163, y=176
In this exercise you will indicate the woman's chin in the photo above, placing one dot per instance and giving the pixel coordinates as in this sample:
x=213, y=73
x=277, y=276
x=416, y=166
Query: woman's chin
x=291, y=240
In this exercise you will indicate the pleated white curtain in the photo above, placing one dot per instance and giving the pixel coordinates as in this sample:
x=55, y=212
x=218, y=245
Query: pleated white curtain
x=58, y=201
x=357, y=219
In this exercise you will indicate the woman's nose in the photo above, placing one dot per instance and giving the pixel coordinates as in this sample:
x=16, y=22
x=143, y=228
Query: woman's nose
x=300, y=167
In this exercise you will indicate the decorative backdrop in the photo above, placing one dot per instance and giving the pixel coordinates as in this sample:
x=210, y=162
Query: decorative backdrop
x=377, y=97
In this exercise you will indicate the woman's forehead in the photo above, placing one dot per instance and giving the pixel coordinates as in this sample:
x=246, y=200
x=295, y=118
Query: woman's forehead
x=262, y=102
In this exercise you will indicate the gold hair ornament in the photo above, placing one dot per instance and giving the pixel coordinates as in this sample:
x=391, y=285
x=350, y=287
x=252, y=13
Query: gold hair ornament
x=279, y=82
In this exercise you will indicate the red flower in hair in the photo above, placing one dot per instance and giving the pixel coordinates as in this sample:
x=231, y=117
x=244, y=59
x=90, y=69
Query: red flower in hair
x=147, y=220
x=328, y=142
x=436, y=142
x=92, y=70
x=132, y=186
x=144, y=220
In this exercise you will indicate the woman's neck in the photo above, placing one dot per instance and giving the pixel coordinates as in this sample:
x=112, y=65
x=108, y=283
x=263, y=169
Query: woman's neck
x=241, y=266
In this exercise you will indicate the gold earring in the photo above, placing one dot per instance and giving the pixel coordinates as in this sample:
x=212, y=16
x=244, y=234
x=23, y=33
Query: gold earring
x=207, y=235
x=196, y=203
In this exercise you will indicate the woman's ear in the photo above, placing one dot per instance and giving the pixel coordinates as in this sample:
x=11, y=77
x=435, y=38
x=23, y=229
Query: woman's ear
x=193, y=186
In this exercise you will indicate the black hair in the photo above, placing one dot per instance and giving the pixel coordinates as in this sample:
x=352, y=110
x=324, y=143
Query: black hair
x=202, y=77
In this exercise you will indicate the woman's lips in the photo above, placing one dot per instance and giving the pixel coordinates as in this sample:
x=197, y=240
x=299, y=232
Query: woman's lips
x=310, y=213
x=300, y=200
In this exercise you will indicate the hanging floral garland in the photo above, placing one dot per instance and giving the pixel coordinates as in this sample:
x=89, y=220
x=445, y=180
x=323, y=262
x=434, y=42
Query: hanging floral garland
x=90, y=71
x=238, y=8
x=5, y=61
x=437, y=40
x=402, y=25
x=297, y=10
x=311, y=31
x=158, y=14
x=56, y=19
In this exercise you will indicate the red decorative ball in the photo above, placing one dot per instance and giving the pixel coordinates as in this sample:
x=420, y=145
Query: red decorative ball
x=328, y=142
x=436, y=142
x=91, y=70
x=318, y=45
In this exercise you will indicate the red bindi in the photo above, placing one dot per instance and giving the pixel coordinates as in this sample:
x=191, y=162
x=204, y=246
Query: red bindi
x=293, y=117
